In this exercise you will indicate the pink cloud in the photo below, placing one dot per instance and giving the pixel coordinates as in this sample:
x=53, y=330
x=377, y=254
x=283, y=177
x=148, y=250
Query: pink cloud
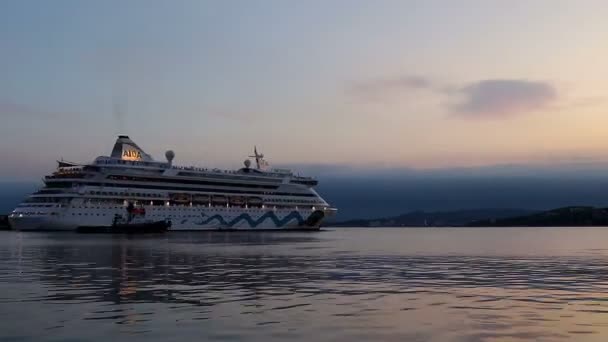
x=500, y=98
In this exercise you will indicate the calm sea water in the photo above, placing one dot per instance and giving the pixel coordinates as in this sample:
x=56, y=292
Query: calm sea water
x=543, y=284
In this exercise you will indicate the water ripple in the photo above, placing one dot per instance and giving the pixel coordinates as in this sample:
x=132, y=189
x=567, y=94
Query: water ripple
x=273, y=287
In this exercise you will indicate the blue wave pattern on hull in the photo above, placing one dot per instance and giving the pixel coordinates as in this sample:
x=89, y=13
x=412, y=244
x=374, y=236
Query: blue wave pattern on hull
x=254, y=223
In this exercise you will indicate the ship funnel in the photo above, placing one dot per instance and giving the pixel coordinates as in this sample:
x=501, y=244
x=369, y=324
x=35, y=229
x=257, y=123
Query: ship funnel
x=126, y=149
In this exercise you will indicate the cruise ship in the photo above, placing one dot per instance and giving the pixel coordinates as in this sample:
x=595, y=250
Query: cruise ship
x=254, y=197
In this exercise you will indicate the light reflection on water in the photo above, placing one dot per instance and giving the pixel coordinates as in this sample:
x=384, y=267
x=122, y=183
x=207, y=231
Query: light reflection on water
x=336, y=285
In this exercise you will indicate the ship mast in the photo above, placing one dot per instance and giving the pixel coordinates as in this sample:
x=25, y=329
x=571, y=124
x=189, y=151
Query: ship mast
x=259, y=158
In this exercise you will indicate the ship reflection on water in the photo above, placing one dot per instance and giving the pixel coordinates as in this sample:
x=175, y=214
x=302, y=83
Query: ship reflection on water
x=123, y=270
x=336, y=285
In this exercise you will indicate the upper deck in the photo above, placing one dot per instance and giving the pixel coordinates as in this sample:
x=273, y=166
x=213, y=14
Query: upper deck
x=128, y=157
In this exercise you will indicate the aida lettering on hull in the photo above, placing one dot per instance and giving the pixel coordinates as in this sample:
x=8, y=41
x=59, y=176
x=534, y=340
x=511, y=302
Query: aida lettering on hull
x=130, y=154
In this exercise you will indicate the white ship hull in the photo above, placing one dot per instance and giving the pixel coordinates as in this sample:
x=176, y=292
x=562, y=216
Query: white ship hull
x=182, y=218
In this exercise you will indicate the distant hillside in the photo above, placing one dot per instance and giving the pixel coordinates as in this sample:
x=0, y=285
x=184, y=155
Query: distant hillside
x=386, y=196
x=562, y=217
x=437, y=219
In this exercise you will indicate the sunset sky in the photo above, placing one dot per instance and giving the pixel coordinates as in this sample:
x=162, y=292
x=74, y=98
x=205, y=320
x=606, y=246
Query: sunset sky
x=387, y=84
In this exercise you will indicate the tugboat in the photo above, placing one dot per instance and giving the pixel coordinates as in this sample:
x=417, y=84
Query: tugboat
x=135, y=223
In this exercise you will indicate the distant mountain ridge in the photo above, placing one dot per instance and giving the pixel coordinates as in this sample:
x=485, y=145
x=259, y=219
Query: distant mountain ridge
x=578, y=216
x=454, y=218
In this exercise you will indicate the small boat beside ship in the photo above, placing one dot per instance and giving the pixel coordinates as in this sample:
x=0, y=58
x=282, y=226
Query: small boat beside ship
x=134, y=223
x=155, y=227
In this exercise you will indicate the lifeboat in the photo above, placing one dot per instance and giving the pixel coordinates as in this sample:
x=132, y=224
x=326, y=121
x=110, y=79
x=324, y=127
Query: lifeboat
x=237, y=200
x=254, y=201
x=180, y=198
x=201, y=199
x=219, y=199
